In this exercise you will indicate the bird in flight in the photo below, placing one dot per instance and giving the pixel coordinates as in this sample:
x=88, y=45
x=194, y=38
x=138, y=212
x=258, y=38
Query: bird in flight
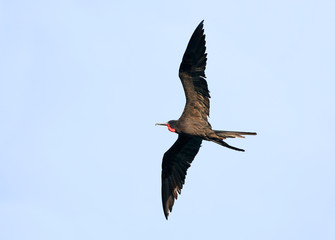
x=192, y=127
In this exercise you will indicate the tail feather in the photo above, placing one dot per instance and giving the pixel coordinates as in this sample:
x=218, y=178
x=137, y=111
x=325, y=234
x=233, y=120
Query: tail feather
x=222, y=143
x=232, y=134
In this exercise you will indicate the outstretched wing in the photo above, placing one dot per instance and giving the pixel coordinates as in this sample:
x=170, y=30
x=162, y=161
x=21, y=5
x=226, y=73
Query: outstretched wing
x=176, y=161
x=192, y=76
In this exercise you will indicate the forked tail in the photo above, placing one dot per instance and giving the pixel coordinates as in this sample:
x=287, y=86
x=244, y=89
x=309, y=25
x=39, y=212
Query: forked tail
x=229, y=134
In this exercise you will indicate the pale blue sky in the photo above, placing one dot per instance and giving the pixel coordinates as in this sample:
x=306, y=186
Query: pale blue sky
x=82, y=84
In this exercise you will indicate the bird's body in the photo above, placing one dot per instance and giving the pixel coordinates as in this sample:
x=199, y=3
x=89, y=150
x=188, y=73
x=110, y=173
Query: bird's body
x=193, y=126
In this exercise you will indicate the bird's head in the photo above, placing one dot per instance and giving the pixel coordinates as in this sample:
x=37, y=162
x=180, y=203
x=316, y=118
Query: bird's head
x=172, y=124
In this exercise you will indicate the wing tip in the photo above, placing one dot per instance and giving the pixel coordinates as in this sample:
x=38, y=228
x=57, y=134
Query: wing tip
x=167, y=206
x=166, y=214
x=201, y=25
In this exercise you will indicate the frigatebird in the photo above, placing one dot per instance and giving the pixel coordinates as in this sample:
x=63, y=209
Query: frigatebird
x=193, y=126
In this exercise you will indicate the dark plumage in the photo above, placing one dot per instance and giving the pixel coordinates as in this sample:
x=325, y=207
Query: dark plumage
x=193, y=126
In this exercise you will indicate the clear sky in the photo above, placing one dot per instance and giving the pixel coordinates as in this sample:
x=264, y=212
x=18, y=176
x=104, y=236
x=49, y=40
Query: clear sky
x=82, y=84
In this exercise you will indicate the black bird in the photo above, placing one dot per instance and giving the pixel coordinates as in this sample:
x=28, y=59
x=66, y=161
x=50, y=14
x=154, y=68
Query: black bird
x=193, y=126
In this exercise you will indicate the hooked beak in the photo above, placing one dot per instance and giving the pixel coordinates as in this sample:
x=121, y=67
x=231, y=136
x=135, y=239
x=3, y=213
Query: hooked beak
x=161, y=124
